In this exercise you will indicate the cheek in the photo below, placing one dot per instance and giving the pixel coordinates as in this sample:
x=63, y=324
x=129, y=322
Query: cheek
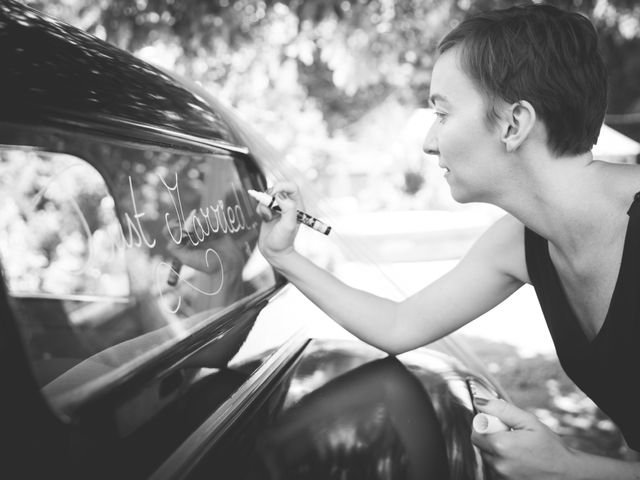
x=454, y=139
x=464, y=137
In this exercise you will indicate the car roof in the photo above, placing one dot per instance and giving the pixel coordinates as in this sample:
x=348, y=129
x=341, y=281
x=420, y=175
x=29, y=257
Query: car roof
x=52, y=70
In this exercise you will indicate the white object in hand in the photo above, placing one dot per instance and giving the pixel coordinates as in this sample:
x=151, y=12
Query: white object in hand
x=485, y=423
x=302, y=217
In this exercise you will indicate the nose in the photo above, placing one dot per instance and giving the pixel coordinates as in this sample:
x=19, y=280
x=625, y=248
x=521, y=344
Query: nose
x=430, y=144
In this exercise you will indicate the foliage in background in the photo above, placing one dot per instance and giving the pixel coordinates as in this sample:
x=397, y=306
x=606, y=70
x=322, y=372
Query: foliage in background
x=345, y=53
x=304, y=71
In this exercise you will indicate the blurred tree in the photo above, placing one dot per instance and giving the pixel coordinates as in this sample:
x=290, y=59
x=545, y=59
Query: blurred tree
x=324, y=63
x=347, y=53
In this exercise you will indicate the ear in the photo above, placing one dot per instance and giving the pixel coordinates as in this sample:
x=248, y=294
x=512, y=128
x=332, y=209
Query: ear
x=519, y=120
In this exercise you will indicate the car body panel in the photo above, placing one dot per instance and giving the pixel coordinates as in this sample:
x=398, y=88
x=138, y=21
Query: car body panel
x=57, y=72
x=346, y=410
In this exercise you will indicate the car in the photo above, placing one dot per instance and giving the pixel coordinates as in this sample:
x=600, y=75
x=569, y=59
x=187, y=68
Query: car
x=141, y=340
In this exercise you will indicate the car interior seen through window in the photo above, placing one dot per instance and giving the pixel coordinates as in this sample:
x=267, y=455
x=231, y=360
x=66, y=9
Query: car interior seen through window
x=88, y=241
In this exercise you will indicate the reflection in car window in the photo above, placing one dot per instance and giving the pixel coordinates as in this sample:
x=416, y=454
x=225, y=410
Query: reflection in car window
x=59, y=227
x=88, y=244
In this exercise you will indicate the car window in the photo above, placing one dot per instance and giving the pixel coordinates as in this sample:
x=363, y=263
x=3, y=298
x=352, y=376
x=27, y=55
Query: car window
x=90, y=232
x=59, y=227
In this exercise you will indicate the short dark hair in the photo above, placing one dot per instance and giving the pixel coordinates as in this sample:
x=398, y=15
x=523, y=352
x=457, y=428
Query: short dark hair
x=544, y=55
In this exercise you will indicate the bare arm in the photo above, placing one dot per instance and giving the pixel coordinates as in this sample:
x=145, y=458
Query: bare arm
x=489, y=273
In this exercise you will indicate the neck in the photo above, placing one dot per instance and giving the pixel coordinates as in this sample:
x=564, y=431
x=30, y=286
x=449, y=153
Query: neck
x=557, y=197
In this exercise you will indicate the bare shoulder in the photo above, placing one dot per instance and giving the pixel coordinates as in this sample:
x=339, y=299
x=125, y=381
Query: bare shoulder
x=621, y=180
x=630, y=173
x=501, y=248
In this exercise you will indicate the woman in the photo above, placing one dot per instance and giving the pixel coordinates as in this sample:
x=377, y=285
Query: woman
x=520, y=96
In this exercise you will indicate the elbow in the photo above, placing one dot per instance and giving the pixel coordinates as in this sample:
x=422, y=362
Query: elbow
x=394, y=343
x=393, y=350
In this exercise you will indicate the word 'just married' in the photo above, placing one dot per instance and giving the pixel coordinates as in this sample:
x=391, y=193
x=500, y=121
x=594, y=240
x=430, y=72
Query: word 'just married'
x=213, y=218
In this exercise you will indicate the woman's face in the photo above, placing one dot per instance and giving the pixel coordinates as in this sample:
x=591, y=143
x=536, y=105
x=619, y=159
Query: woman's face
x=468, y=148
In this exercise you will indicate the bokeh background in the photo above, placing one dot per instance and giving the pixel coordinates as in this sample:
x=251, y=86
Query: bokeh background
x=340, y=88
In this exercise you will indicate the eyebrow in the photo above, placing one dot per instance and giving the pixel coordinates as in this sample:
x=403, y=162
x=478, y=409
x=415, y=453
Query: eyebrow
x=436, y=97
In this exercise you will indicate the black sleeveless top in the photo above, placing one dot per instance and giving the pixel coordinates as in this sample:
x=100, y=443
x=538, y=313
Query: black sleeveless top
x=607, y=367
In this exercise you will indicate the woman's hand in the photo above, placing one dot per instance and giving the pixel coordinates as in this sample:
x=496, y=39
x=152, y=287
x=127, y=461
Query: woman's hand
x=529, y=451
x=279, y=230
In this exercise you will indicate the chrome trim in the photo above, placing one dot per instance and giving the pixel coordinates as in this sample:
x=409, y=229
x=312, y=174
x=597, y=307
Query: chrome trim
x=186, y=457
x=183, y=136
x=473, y=363
x=71, y=297
x=28, y=148
x=67, y=401
x=98, y=121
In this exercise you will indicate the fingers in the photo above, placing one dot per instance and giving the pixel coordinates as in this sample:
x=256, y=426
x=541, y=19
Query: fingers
x=485, y=442
x=264, y=212
x=485, y=423
x=289, y=188
x=492, y=443
x=287, y=194
x=287, y=198
x=504, y=416
x=509, y=414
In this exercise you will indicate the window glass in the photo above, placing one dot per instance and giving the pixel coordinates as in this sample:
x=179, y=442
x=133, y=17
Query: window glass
x=90, y=242
x=59, y=227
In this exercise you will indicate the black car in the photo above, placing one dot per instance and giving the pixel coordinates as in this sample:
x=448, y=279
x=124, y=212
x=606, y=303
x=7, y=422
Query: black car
x=118, y=361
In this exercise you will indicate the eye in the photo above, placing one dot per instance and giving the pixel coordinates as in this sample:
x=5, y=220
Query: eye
x=441, y=116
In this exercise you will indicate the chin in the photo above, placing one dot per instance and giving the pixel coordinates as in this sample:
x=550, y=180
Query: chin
x=461, y=196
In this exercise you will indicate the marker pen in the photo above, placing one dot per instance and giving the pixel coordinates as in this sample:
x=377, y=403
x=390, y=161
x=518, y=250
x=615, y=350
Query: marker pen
x=176, y=264
x=302, y=217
